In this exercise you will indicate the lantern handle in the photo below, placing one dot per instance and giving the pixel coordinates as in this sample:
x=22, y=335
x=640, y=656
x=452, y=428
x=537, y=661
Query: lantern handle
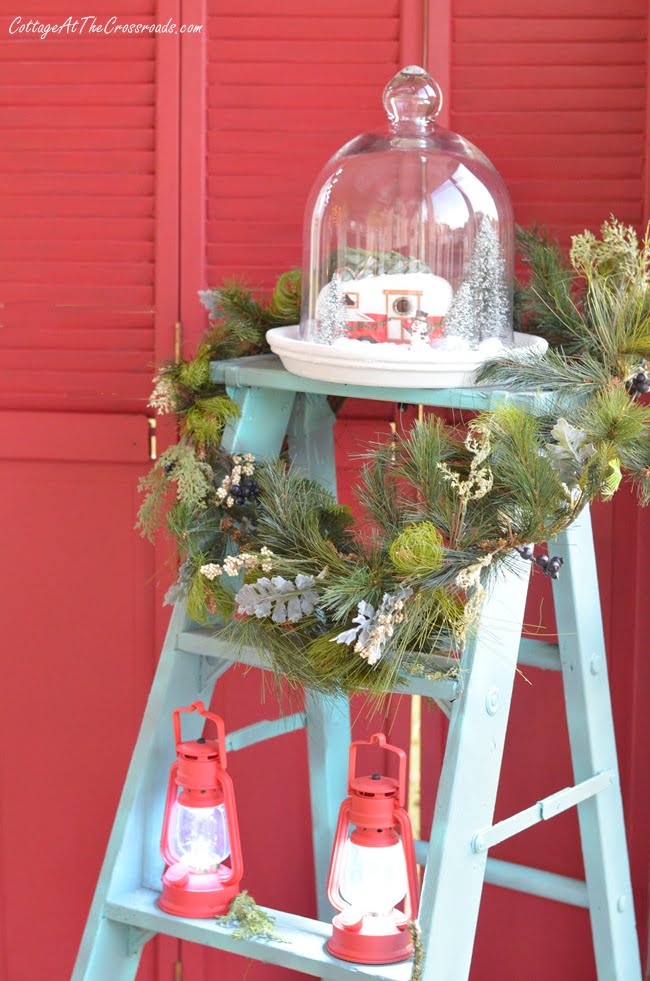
x=334, y=873
x=218, y=721
x=236, y=861
x=379, y=739
x=406, y=831
x=171, y=795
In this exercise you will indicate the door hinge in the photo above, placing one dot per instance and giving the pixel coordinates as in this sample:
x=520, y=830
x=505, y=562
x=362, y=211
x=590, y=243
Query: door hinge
x=153, y=439
x=178, y=341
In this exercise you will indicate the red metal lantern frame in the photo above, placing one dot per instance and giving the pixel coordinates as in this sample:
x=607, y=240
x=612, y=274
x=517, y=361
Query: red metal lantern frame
x=200, y=772
x=375, y=806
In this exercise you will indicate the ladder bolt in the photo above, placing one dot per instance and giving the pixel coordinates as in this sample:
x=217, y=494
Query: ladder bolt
x=621, y=904
x=478, y=842
x=596, y=663
x=492, y=701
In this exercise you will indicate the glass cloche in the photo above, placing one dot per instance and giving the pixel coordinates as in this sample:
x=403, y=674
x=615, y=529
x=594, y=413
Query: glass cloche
x=409, y=241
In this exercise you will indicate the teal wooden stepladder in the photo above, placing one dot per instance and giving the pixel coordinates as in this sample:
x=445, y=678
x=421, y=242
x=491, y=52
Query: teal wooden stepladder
x=475, y=694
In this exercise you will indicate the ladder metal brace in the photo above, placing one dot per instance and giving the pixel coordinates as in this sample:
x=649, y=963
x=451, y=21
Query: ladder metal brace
x=543, y=810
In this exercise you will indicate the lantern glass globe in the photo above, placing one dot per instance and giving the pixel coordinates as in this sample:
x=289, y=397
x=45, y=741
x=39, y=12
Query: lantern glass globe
x=373, y=880
x=199, y=836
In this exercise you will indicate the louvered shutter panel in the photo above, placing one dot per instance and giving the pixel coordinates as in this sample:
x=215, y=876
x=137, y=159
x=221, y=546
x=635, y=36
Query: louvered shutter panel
x=77, y=228
x=556, y=97
x=288, y=84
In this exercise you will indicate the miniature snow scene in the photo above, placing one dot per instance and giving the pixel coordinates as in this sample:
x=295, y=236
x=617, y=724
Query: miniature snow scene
x=408, y=255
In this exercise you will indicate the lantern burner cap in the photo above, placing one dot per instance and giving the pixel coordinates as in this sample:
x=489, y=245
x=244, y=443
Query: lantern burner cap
x=203, y=750
x=374, y=785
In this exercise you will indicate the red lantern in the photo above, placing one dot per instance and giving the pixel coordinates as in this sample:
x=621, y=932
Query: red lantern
x=200, y=829
x=373, y=870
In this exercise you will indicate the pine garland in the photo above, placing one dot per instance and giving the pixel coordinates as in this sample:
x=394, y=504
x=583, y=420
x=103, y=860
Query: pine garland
x=177, y=488
x=276, y=564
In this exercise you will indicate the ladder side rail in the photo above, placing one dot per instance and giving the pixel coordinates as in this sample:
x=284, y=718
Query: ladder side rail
x=262, y=422
x=311, y=444
x=593, y=750
x=107, y=952
x=454, y=872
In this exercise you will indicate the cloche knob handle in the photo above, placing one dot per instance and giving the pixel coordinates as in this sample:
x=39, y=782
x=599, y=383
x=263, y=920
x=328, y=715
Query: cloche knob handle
x=412, y=100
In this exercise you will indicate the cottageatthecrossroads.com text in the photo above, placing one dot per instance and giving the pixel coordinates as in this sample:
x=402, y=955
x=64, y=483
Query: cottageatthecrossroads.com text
x=92, y=25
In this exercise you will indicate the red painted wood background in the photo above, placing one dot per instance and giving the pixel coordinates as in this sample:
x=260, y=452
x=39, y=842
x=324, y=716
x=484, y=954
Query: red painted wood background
x=135, y=171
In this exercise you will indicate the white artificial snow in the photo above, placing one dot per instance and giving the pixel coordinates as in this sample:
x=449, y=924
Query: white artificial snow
x=440, y=350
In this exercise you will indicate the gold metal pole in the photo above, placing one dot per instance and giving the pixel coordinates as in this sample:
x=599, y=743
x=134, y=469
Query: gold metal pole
x=178, y=341
x=415, y=747
x=415, y=742
x=153, y=439
x=178, y=963
x=415, y=767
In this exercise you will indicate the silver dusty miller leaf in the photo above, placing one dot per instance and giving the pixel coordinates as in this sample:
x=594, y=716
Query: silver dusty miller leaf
x=209, y=301
x=284, y=600
x=571, y=451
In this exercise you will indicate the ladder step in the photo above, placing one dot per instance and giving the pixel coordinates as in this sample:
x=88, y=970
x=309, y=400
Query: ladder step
x=538, y=654
x=525, y=878
x=304, y=951
x=203, y=642
x=266, y=371
x=537, y=882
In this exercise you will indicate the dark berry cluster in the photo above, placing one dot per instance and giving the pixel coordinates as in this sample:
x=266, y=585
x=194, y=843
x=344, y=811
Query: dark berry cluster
x=245, y=491
x=639, y=384
x=549, y=566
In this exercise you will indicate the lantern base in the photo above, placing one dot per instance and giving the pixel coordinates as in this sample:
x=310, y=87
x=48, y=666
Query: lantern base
x=196, y=895
x=361, y=946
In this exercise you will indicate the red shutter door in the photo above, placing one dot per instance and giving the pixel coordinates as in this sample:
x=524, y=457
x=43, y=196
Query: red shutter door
x=557, y=98
x=78, y=659
x=90, y=141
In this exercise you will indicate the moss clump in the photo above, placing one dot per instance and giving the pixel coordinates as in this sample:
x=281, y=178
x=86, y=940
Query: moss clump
x=418, y=549
x=253, y=922
x=285, y=303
